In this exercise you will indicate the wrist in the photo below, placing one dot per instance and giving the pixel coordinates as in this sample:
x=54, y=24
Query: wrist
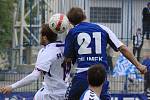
x=138, y=65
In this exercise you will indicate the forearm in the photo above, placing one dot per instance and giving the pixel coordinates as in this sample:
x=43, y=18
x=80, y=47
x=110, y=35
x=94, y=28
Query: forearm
x=124, y=50
x=27, y=80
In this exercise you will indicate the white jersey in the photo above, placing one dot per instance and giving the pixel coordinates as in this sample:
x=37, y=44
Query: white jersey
x=89, y=95
x=49, y=60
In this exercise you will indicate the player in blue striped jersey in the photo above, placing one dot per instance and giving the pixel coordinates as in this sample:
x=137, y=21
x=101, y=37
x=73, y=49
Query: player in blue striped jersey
x=86, y=44
x=96, y=76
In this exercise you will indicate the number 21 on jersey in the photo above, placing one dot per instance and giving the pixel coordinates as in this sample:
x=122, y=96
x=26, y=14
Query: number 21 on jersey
x=84, y=40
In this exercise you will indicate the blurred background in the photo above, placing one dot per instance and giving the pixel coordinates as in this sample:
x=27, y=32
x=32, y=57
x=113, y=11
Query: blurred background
x=20, y=22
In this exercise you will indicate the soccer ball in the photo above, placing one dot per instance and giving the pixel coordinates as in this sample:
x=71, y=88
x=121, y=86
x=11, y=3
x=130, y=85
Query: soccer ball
x=59, y=23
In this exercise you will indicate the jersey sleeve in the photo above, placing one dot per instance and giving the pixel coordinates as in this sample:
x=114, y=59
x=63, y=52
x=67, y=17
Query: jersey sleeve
x=69, y=45
x=113, y=41
x=44, y=60
x=27, y=80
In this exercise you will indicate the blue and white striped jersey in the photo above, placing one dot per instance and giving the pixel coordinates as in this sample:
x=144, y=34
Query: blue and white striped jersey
x=89, y=95
x=87, y=43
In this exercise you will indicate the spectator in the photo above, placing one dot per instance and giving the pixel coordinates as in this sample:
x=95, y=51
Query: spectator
x=137, y=43
x=146, y=21
x=96, y=76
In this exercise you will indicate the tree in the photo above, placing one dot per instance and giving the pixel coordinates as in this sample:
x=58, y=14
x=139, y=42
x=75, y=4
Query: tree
x=6, y=23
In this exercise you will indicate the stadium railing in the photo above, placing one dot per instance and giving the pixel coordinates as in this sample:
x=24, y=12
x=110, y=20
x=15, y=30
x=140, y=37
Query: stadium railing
x=119, y=84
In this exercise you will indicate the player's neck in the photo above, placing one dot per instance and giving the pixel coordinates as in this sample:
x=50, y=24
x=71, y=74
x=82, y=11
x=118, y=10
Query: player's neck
x=96, y=90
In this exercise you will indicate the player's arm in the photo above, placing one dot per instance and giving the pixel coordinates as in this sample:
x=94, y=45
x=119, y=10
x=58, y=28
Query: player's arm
x=124, y=50
x=69, y=52
x=25, y=81
x=116, y=44
x=69, y=45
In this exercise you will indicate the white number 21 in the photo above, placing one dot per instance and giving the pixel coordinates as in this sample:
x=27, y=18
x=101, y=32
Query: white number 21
x=84, y=39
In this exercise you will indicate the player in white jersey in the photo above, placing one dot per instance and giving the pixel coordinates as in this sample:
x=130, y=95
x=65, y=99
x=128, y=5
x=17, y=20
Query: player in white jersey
x=96, y=76
x=48, y=62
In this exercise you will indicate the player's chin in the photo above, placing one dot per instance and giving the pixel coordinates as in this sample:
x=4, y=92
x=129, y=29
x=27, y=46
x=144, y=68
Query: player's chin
x=42, y=43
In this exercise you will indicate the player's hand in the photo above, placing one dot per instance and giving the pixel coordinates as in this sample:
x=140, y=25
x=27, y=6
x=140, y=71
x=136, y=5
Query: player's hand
x=142, y=69
x=6, y=89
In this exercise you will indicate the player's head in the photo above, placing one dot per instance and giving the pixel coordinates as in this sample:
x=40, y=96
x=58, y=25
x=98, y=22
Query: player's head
x=47, y=36
x=76, y=15
x=96, y=75
x=138, y=31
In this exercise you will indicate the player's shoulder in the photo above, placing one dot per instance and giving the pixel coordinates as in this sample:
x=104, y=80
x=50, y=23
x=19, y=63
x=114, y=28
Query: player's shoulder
x=105, y=29
x=102, y=26
x=52, y=47
x=59, y=44
x=71, y=31
x=88, y=94
x=55, y=44
x=81, y=26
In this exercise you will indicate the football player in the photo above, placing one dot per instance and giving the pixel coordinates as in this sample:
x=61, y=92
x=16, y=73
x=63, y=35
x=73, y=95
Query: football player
x=87, y=43
x=96, y=76
x=48, y=62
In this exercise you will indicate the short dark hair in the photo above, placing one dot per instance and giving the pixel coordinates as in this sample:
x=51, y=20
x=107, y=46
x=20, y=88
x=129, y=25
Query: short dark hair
x=96, y=75
x=76, y=15
x=46, y=31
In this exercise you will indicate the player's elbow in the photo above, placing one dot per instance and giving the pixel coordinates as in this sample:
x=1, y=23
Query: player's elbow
x=34, y=75
x=32, y=79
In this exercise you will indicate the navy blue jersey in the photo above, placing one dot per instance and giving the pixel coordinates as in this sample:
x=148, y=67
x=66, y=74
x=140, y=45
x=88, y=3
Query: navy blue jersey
x=87, y=43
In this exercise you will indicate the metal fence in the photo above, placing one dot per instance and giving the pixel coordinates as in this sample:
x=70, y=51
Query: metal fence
x=120, y=84
x=10, y=78
x=122, y=16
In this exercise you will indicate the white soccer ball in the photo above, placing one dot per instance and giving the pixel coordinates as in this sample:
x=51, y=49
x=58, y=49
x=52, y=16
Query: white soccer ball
x=59, y=23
